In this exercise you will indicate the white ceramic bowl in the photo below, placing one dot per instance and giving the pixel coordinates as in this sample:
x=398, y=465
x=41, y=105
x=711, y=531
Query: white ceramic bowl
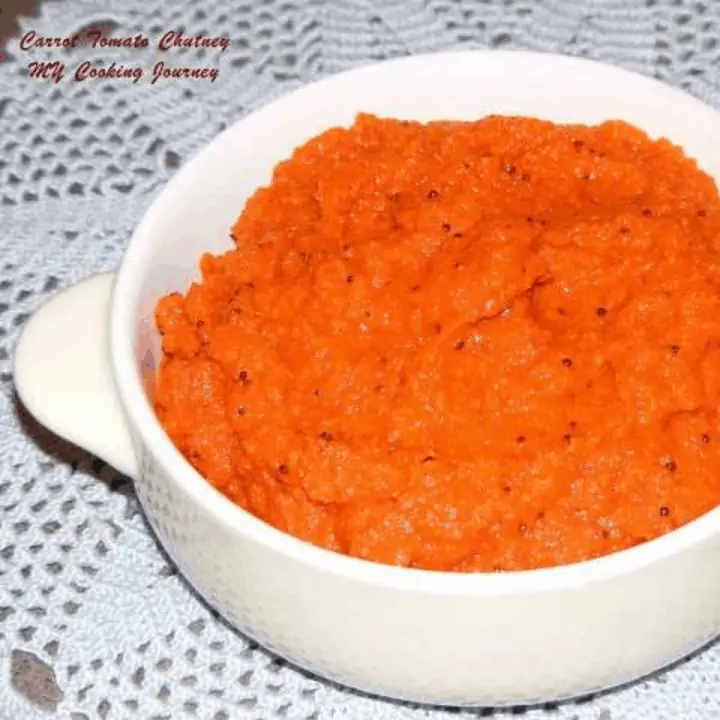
x=483, y=639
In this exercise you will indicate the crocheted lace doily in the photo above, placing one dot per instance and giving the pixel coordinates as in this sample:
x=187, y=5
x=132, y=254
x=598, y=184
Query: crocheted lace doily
x=94, y=622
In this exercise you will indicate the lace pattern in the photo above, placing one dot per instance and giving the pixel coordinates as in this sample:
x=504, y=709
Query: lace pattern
x=94, y=621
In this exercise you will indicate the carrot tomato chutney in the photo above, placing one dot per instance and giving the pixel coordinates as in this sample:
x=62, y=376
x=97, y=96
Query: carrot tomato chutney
x=468, y=346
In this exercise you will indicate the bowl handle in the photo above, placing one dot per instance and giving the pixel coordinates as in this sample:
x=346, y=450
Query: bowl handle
x=63, y=374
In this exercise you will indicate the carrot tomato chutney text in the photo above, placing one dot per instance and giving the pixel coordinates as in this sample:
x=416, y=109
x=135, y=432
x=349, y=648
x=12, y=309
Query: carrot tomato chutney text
x=466, y=346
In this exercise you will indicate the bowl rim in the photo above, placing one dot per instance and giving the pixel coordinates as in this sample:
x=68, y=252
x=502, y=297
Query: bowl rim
x=147, y=427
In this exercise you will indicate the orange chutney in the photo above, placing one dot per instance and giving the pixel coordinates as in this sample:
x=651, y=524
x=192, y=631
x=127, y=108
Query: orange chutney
x=467, y=346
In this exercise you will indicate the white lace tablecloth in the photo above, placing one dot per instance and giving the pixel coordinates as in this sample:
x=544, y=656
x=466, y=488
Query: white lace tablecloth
x=94, y=621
